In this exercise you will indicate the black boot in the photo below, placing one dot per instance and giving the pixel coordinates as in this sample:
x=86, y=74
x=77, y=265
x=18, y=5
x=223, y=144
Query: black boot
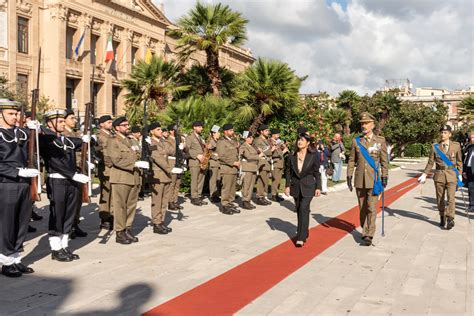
x=234, y=208
x=24, y=269
x=277, y=198
x=172, y=207
x=107, y=223
x=260, y=201
x=35, y=216
x=225, y=209
x=77, y=232
x=168, y=229
x=203, y=202
x=442, y=221
x=366, y=241
x=31, y=229
x=246, y=205
x=130, y=236
x=215, y=199
x=159, y=229
x=72, y=255
x=196, y=202
x=450, y=223
x=121, y=238
x=60, y=255
x=267, y=201
x=11, y=271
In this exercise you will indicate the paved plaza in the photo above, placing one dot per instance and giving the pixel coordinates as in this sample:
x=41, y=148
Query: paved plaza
x=417, y=268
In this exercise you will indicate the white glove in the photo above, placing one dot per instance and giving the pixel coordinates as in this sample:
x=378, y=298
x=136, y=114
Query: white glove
x=460, y=178
x=81, y=178
x=27, y=173
x=148, y=140
x=94, y=137
x=181, y=146
x=86, y=139
x=91, y=166
x=422, y=178
x=34, y=125
x=142, y=164
x=177, y=170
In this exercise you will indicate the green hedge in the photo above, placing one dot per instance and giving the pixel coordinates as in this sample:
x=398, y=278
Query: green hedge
x=417, y=150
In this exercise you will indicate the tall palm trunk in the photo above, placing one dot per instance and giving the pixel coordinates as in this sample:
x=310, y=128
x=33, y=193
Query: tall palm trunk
x=213, y=71
x=347, y=127
x=256, y=123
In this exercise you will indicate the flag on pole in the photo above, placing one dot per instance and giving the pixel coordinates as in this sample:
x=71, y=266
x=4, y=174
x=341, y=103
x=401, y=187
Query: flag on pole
x=79, y=47
x=148, y=56
x=109, y=54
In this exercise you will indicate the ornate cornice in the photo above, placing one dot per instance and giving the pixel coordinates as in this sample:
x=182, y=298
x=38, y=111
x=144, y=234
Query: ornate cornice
x=24, y=7
x=58, y=12
x=3, y=5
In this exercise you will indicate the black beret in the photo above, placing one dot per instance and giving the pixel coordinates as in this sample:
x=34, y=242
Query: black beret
x=446, y=128
x=262, y=127
x=27, y=114
x=119, y=120
x=135, y=129
x=302, y=130
x=275, y=131
x=104, y=118
x=172, y=127
x=197, y=123
x=227, y=127
x=153, y=125
x=69, y=112
x=164, y=129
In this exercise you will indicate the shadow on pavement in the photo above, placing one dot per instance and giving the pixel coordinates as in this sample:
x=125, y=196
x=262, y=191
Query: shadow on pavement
x=339, y=224
x=393, y=212
x=283, y=226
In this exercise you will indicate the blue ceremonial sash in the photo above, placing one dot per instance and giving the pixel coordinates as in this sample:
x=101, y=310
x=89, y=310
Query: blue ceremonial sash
x=378, y=187
x=449, y=164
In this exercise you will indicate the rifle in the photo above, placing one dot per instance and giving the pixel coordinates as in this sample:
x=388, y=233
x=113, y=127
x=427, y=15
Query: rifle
x=179, y=163
x=33, y=148
x=85, y=155
x=146, y=155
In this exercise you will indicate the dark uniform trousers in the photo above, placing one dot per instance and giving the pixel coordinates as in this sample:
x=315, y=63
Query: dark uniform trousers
x=262, y=183
x=368, y=211
x=159, y=202
x=228, y=188
x=64, y=196
x=15, y=214
x=105, y=209
x=248, y=183
x=125, y=199
x=214, y=179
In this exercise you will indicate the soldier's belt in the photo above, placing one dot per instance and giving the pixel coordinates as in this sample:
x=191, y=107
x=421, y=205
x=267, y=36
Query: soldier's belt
x=444, y=168
x=56, y=176
x=171, y=157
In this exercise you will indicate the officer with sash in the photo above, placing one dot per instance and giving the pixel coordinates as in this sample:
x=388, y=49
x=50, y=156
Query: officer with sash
x=370, y=160
x=448, y=174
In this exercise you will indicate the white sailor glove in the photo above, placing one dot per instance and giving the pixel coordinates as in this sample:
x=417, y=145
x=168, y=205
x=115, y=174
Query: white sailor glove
x=27, y=173
x=177, y=170
x=94, y=137
x=91, y=165
x=148, y=140
x=142, y=164
x=181, y=146
x=86, y=139
x=34, y=125
x=422, y=179
x=81, y=178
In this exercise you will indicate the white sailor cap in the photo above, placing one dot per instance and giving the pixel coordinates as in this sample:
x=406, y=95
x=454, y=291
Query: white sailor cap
x=215, y=128
x=7, y=104
x=246, y=134
x=51, y=115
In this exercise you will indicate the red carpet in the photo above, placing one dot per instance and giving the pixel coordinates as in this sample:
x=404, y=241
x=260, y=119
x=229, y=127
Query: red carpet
x=231, y=291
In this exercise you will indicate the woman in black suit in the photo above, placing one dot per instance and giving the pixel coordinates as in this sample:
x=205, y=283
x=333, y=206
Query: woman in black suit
x=303, y=181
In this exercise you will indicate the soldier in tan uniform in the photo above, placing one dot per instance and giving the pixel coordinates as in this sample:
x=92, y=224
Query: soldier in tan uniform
x=161, y=179
x=445, y=178
x=264, y=146
x=228, y=152
x=103, y=171
x=125, y=179
x=364, y=174
x=70, y=121
x=250, y=161
x=277, y=163
x=172, y=159
x=195, y=147
x=214, y=175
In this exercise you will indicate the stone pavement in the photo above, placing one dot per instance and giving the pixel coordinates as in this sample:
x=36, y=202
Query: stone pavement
x=417, y=268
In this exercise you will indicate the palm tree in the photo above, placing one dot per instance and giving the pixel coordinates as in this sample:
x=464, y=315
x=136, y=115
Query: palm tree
x=209, y=27
x=337, y=118
x=348, y=100
x=265, y=88
x=466, y=109
x=155, y=81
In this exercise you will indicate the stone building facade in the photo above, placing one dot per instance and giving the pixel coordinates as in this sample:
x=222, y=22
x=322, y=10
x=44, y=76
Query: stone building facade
x=58, y=26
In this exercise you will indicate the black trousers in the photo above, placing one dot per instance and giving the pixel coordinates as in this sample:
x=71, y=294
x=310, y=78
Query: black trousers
x=470, y=187
x=15, y=214
x=64, y=196
x=302, y=209
x=77, y=216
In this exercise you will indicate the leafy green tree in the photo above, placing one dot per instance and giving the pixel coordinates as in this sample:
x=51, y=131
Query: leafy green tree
x=337, y=118
x=348, y=100
x=267, y=88
x=208, y=27
x=466, y=109
x=200, y=84
x=381, y=104
x=414, y=123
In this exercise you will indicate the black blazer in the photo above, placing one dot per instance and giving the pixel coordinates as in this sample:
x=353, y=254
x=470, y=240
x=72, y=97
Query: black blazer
x=468, y=170
x=308, y=180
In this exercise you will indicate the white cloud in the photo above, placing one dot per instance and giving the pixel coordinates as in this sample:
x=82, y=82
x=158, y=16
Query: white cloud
x=429, y=42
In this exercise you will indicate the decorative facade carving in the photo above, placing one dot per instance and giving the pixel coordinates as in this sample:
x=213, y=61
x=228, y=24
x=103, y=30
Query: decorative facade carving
x=108, y=28
x=96, y=25
x=3, y=5
x=145, y=40
x=85, y=21
x=117, y=33
x=73, y=17
x=58, y=12
x=24, y=7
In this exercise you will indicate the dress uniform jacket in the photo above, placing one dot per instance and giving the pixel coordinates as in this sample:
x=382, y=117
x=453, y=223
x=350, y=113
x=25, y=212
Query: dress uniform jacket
x=250, y=158
x=278, y=158
x=102, y=150
x=161, y=165
x=364, y=173
x=170, y=145
x=123, y=158
x=443, y=173
x=214, y=161
x=70, y=133
x=264, y=146
x=194, y=146
x=227, y=150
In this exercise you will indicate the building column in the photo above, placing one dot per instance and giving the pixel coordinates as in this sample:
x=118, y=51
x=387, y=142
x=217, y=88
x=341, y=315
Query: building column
x=84, y=87
x=104, y=102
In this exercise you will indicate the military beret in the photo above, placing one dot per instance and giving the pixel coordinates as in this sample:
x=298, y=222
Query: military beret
x=7, y=104
x=197, y=123
x=172, y=127
x=135, y=129
x=153, y=126
x=51, y=115
x=275, y=131
x=104, y=118
x=68, y=112
x=366, y=117
x=262, y=127
x=227, y=127
x=164, y=129
x=302, y=130
x=27, y=114
x=119, y=120
x=446, y=128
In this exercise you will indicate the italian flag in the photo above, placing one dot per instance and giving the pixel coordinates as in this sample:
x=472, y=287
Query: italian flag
x=109, y=54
